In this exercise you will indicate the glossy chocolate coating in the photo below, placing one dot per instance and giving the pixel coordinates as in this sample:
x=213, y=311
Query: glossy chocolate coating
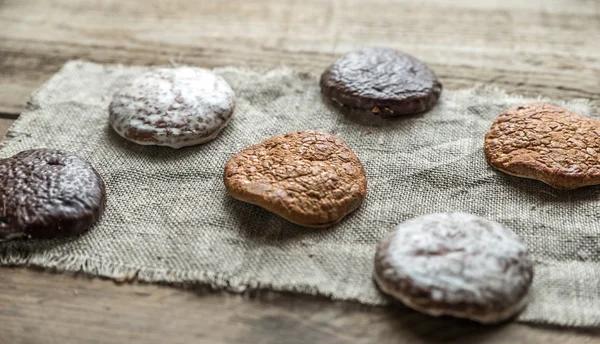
x=47, y=193
x=383, y=81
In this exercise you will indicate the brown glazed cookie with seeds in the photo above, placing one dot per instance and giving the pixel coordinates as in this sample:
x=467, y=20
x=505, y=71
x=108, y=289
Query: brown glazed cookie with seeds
x=455, y=264
x=548, y=143
x=174, y=107
x=46, y=193
x=382, y=81
x=311, y=178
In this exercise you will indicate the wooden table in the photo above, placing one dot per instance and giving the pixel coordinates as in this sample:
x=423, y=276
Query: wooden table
x=534, y=47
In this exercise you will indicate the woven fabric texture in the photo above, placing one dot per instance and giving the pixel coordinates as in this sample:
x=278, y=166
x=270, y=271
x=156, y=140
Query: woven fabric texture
x=169, y=219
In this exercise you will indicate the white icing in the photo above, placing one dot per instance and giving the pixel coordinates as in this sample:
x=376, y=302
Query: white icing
x=458, y=257
x=177, y=107
x=490, y=318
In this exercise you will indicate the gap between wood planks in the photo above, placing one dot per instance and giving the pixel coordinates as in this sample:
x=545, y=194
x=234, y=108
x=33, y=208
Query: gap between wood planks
x=534, y=47
x=11, y=116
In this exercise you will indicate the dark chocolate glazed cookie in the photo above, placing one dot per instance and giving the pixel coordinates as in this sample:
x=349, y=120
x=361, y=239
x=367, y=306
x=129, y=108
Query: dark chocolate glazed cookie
x=47, y=193
x=383, y=81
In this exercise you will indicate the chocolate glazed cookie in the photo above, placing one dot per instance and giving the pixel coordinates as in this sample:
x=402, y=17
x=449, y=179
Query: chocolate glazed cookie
x=382, y=81
x=47, y=193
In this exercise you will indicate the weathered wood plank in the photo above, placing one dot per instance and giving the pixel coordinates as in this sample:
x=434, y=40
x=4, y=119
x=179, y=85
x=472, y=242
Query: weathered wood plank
x=44, y=307
x=553, y=52
x=4, y=125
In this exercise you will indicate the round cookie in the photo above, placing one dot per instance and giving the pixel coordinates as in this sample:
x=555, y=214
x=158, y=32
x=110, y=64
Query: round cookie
x=548, y=143
x=173, y=107
x=47, y=193
x=381, y=81
x=310, y=178
x=455, y=264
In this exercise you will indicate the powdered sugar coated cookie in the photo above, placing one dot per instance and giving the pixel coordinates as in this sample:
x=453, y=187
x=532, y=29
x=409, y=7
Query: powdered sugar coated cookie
x=173, y=107
x=455, y=264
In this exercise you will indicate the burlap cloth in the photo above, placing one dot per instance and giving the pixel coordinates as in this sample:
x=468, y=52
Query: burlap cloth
x=169, y=218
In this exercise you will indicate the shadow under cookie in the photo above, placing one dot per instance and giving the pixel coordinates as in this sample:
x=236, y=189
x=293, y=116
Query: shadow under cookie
x=366, y=117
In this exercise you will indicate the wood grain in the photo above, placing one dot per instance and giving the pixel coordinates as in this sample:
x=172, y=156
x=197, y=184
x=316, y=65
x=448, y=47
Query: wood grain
x=534, y=47
x=4, y=125
x=38, y=306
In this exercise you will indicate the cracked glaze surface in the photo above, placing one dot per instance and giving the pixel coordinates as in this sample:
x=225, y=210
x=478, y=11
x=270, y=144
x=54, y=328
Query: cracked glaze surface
x=455, y=264
x=173, y=107
x=311, y=178
x=547, y=143
x=383, y=81
x=48, y=193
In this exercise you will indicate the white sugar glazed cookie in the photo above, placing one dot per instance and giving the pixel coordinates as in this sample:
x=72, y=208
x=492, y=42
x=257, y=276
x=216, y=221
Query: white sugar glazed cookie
x=455, y=264
x=173, y=107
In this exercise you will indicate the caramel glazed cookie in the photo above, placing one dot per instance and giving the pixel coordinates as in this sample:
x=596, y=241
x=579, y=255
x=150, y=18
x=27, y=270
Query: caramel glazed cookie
x=310, y=178
x=455, y=264
x=173, y=107
x=548, y=143
x=382, y=81
x=47, y=193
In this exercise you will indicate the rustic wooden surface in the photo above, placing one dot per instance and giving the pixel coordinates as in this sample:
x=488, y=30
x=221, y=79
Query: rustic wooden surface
x=42, y=307
x=4, y=125
x=534, y=47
